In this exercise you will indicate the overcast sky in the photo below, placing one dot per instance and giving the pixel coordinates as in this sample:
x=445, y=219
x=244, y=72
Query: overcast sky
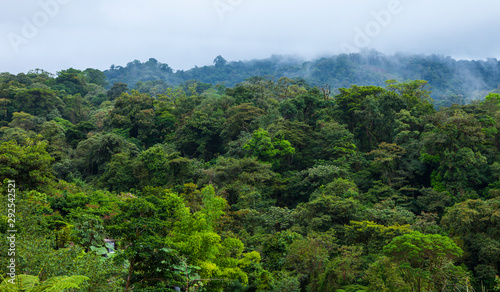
x=59, y=34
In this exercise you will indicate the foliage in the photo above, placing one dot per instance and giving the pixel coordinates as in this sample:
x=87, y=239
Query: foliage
x=27, y=283
x=28, y=164
x=373, y=236
x=221, y=178
x=426, y=261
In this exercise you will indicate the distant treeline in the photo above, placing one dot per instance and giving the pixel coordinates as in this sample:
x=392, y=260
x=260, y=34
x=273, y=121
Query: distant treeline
x=451, y=81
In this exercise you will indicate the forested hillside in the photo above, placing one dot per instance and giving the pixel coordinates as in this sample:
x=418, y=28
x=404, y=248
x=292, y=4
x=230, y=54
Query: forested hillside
x=214, y=179
x=451, y=81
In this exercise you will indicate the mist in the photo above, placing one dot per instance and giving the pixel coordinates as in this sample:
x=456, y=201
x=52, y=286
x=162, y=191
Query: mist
x=58, y=34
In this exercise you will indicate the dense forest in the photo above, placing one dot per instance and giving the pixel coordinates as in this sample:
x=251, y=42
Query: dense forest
x=221, y=179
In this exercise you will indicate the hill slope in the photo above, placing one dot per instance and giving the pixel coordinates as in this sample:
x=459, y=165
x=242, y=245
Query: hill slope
x=450, y=79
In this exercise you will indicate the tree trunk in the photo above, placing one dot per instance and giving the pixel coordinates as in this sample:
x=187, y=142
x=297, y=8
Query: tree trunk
x=130, y=269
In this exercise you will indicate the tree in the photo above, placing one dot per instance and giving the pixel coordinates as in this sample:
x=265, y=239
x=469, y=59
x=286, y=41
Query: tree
x=265, y=149
x=454, y=147
x=308, y=257
x=71, y=132
x=134, y=114
x=276, y=247
x=195, y=237
x=95, y=76
x=241, y=118
x=24, y=121
x=327, y=211
x=38, y=101
x=388, y=214
x=369, y=113
x=72, y=81
x=140, y=226
x=332, y=141
x=159, y=231
x=116, y=90
x=244, y=182
x=219, y=62
x=352, y=100
x=54, y=134
x=373, y=236
x=199, y=134
x=37, y=252
x=414, y=93
x=29, y=165
x=341, y=270
x=158, y=166
x=477, y=223
x=382, y=275
x=386, y=158
x=75, y=109
x=307, y=107
x=119, y=173
x=95, y=152
x=425, y=261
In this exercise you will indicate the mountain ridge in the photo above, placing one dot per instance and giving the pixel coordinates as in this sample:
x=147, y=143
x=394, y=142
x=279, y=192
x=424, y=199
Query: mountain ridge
x=461, y=80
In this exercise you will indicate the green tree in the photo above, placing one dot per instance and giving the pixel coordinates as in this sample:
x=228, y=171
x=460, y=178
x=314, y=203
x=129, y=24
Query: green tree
x=140, y=227
x=95, y=76
x=350, y=101
x=29, y=165
x=308, y=257
x=332, y=141
x=37, y=252
x=116, y=90
x=118, y=175
x=327, y=211
x=72, y=132
x=477, y=223
x=24, y=121
x=54, y=134
x=306, y=185
x=38, y=101
x=454, y=147
x=134, y=114
x=373, y=236
x=245, y=183
x=240, y=118
x=95, y=152
x=158, y=166
x=342, y=270
x=426, y=261
x=269, y=150
x=72, y=81
x=383, y=275
x=386, y=159
x=76, y=111
x=308, y=107
x=162, y=225
x=199, y=134
x=276, y=247
x=415, y=94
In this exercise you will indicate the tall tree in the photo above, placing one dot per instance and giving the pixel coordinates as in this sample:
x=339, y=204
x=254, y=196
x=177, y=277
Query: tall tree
x=425, y=261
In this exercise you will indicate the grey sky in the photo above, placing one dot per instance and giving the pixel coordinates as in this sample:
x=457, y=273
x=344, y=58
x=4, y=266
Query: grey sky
x=59, y=34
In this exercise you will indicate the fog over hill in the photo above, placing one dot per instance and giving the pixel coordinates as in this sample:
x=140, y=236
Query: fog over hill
x=450, y=80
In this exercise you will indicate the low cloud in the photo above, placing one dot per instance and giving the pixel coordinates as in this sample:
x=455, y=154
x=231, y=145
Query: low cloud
x=188, y=33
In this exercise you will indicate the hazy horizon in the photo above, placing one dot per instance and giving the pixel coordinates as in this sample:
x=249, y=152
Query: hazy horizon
x=58, y=34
